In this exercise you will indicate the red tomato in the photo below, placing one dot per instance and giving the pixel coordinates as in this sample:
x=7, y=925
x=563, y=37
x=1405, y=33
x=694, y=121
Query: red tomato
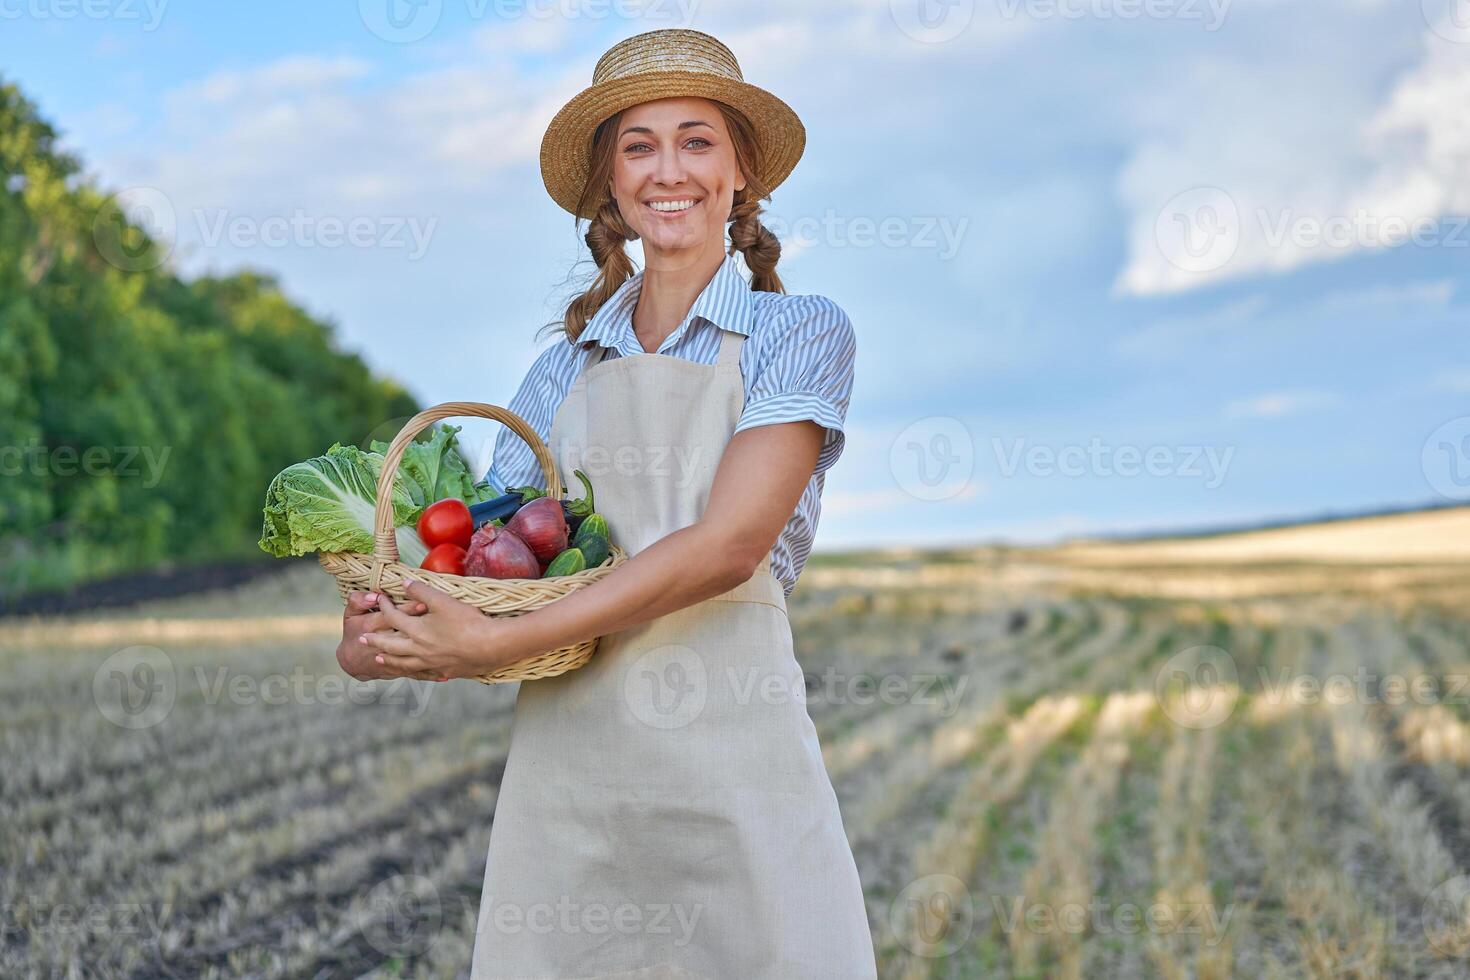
x=446, y=557
x=446, y=522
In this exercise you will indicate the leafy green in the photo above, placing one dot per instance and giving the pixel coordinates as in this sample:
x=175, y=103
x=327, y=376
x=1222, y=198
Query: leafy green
x=436, y=470
x=326, y=503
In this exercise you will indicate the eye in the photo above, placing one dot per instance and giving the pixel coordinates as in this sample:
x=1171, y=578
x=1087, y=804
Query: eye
x=633, y=147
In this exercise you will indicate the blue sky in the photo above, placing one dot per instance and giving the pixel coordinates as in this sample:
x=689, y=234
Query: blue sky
x=1112, y=264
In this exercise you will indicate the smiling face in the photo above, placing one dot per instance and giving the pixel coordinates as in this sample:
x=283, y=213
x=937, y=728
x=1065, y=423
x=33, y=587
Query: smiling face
x=674, y=173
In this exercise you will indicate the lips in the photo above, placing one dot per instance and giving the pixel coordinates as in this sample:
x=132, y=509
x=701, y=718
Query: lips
x=669, y=207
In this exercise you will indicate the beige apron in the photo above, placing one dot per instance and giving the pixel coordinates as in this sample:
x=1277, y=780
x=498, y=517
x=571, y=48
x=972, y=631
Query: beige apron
x=665, y=812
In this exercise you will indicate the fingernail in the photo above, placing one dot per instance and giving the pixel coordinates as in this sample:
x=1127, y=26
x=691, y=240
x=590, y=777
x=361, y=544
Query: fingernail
x=362, y=638
x=407, y=582
x=371, y=597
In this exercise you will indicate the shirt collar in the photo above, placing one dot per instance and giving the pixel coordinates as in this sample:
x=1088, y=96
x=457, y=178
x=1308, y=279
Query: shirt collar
x=726, y=302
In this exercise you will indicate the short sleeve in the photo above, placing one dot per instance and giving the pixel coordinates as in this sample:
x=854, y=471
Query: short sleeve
x=513, y=464
x=808, y=375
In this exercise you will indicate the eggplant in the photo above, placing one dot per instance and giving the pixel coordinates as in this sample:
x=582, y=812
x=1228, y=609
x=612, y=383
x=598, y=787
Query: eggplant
x=504, y=507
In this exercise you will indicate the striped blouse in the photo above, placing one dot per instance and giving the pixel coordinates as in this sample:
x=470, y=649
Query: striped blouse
x=797, y=363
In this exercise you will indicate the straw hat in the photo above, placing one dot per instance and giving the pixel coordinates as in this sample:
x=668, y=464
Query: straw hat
x=658, y=65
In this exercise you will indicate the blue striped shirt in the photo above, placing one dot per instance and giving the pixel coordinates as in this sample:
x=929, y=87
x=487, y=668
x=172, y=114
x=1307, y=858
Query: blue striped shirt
x=797, y=363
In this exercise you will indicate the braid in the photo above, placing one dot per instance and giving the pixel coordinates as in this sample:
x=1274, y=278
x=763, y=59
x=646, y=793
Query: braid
x=607, y=236
x=760, y=246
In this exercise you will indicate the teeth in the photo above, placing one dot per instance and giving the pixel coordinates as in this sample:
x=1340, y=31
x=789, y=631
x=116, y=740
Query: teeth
x=671, y=205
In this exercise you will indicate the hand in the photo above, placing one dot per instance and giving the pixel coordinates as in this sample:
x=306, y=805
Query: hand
x=450, y=639
x=361, y=616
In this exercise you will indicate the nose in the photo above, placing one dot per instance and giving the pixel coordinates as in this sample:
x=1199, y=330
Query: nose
x=669, y=168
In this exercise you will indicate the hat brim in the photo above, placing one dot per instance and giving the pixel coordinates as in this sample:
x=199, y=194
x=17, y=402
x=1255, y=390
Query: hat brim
x=566, y=146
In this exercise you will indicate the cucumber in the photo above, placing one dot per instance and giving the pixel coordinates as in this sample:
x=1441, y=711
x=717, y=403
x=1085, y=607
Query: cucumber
x=568, y=562
x=593, y=540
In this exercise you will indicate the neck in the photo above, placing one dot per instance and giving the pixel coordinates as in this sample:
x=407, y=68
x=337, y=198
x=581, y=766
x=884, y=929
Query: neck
x=671, y=284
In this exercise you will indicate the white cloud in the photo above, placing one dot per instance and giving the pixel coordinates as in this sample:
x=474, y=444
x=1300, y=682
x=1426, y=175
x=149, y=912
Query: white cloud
x=1302, y=161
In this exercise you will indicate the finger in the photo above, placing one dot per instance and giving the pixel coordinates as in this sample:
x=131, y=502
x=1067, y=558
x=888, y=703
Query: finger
x=394, y=643
x=431, y=597
x=408, y=665
x=359, y=603
x=396, y=617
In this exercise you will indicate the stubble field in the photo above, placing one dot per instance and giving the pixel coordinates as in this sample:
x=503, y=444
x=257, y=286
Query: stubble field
x=1153, y=760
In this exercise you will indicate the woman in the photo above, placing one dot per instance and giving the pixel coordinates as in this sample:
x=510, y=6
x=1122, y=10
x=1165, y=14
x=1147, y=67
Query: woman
x=665, y=811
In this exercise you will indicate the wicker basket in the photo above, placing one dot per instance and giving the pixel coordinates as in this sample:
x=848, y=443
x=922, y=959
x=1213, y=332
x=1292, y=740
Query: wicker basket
x=381, y=571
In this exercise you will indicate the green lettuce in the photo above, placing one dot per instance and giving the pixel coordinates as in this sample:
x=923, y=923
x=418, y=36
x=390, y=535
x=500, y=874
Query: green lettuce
x=435, y=469
x=326, y=504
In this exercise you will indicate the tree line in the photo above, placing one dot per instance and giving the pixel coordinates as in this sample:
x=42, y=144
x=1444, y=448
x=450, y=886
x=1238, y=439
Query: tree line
x=142, y=415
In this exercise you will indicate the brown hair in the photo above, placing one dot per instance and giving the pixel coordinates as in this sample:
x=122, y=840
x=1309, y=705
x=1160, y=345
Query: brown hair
x=608, y=232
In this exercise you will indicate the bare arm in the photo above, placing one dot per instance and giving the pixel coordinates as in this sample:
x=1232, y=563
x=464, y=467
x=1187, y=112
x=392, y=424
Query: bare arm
x=756, y=488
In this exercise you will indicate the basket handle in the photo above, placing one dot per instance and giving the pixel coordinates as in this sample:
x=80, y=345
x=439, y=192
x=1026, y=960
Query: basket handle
x=385, y=545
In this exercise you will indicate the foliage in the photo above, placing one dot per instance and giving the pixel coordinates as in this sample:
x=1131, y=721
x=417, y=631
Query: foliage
x=142, y=415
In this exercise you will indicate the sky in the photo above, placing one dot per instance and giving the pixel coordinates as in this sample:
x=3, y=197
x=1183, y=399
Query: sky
x=1113, y=265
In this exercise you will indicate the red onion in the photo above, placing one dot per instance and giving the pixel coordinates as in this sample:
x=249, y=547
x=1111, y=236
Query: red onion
x=542, y=524
x=498, y=552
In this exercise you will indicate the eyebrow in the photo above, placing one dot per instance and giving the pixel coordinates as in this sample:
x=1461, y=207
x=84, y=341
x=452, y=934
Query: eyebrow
x=645, y=129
